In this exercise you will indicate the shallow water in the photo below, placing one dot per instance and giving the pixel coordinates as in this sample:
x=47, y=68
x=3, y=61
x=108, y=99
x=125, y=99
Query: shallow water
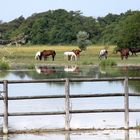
x=88, y=135
x=95, y=120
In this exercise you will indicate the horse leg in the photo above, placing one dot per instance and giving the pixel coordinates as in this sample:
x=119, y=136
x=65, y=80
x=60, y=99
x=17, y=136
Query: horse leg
x=53, y=57
x=69, y=57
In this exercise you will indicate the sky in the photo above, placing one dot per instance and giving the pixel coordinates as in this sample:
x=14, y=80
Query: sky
x=12, y=9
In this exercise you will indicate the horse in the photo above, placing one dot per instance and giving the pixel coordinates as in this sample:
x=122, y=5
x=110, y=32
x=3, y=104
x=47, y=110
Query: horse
x=77, y=52
x=124, y=52
x=70, y=68
x=134, y=50
x=45, y=53
x=37, y=55
x=45, y=70
x=103, y=54
x=71, y=55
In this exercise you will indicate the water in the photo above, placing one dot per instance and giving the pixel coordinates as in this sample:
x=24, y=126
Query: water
x=95, y=120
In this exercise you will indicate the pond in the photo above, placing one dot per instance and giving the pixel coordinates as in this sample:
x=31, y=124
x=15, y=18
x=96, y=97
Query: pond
x=95, y=120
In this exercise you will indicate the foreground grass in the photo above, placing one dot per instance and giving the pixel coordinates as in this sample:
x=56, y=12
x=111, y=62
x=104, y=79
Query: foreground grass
x=23, y=57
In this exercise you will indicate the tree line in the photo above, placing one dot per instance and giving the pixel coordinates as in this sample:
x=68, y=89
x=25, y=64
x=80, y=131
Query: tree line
x=66, y=28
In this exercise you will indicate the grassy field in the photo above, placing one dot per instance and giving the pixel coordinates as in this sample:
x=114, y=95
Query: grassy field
x=23, y=57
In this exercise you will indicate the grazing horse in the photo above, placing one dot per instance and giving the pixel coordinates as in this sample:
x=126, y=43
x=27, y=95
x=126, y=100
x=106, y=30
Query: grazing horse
x=103, y=54
x=134, y=50
x=77, y=52
x=124, y=52
x=71, y=56
x=45, y=53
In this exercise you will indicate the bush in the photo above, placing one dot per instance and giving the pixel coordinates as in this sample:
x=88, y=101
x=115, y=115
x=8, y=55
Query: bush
x=4, y=65
x=107, y=62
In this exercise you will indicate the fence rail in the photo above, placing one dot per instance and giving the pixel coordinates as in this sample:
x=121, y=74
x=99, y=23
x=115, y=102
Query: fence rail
x=68, y=111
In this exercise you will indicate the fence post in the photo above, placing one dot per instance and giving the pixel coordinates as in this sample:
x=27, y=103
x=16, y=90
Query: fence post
x=67, y=105
x=5, y=117
x=126, y=103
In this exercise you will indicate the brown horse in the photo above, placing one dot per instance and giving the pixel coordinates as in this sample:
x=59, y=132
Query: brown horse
x=77, y=52
x=134, y=50
x=124, y=52
x=45, y=53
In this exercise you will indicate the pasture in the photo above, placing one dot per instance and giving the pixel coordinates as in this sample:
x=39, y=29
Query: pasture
x=24, y=56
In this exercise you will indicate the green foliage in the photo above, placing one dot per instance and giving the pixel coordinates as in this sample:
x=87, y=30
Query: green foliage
x=82, y=40
x=107, y=62
x=4, y=65
x=62, y=27
x=129, y=35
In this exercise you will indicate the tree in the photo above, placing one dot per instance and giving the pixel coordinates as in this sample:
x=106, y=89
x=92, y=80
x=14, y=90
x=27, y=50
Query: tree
x=129, y=33
x=82, y=40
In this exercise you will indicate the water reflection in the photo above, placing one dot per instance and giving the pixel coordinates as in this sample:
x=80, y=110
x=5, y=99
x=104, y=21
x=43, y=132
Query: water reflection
x=45, y=70
x=77, y=135
x=71, y=68
x=73, y=71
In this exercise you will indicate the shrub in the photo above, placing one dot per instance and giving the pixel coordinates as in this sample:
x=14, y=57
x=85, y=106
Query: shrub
x=107, y=62
x=4, y=65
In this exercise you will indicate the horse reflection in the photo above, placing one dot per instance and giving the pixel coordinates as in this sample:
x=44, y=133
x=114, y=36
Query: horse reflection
x=70, y=68
x=45, y=70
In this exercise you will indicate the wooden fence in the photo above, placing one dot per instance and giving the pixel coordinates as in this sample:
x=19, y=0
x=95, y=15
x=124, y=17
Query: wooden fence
x=68, y=111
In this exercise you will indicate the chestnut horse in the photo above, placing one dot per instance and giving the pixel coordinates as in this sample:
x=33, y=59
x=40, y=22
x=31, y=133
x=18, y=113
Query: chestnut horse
x=45, y=53
x=77, y=52
x=124, y=52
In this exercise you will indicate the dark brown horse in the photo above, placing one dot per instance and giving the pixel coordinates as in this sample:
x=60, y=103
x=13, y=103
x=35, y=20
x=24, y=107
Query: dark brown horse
x=134, y=50
x=77, y=52
x=45, y=53
x=124, y=52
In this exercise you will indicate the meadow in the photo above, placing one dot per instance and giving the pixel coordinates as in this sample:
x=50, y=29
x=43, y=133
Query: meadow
x=24, y=56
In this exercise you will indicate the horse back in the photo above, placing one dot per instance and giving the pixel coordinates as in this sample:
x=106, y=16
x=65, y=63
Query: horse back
x=48, y=52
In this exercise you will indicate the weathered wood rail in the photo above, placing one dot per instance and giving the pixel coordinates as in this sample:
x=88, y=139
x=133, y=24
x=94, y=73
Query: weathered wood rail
x=68, y=111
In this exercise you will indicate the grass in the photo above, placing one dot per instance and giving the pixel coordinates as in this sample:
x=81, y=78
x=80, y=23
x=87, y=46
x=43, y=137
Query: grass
x=23, y=57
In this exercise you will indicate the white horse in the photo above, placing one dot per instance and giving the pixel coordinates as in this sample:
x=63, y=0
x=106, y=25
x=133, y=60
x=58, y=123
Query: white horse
x=70, y=68
x=71, y=55
x=37, y=55
x=103, y=54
